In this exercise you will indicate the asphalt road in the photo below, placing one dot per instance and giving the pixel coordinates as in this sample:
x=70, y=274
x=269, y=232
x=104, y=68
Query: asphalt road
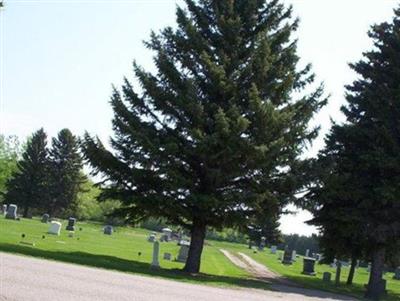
x=26, y=278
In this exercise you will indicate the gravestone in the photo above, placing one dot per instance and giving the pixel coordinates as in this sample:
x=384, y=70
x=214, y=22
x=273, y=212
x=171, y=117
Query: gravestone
x=308, y=266
x=71, y=224
x=151, y=238
x=55, y=228
x=273, y=249
x=287, y=257
x=294, y=255
x=4, y=209
x=183, y=253
x=167, y=256
x=108, y=230
x=166, y=234
x=307, y=253
x=11, y=211
x=262, y=244
x=326, y=277
x=369, y=268
x=45, y=218
x=156, y=249
x=397, y=274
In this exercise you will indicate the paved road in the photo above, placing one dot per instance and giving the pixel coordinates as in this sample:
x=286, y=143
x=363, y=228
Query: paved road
x=26, y=278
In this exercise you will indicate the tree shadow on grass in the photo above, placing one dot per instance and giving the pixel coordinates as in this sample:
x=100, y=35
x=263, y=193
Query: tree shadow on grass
x=132, y=266
x=355, y=290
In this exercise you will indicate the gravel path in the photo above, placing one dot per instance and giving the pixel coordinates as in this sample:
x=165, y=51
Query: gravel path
x=26, y=278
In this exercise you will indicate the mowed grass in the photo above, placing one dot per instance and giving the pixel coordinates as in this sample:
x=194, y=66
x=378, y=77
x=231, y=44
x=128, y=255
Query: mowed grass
x=294, y=273
x=119, y=251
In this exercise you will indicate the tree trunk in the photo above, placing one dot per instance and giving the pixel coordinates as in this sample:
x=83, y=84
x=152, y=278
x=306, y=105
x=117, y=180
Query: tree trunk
x=338, y=272
x=352, y=270
x=374, y=288
x=26, y=211
x=198, y=234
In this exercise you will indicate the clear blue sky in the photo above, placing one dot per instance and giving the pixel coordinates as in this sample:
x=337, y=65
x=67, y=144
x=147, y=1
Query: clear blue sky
x=60, y=58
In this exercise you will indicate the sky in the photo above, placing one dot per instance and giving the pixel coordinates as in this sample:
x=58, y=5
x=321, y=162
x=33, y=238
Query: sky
x=60, y=58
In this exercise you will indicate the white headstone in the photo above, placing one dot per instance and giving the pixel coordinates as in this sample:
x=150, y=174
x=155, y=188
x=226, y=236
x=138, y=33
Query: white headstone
x=294, y=255
x=273, y=249
x=156, y=249
x=4, y=209
x=55, y=228
x=307, y=253
x=11, y=211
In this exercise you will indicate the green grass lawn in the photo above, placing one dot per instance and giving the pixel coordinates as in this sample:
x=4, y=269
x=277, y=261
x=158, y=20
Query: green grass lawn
x=120, y=252
x=117, y=252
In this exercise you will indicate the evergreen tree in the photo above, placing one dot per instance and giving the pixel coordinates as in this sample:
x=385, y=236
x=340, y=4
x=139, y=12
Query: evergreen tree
x=219, y=129
x=362, y=192
x=334, y=201
x=66, y=172
x=28, y=184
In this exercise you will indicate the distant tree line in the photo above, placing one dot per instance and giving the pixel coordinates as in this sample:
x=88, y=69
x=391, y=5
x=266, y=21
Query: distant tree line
x=46, y=179
x=300, y=243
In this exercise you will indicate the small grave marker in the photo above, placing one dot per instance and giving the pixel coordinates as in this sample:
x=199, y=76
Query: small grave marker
x=183, y=251
x=55, y=228
x=11, y=211
x=45, y=218
x=287, y=257
x=71, y=224
x=326, y=277
x=108, y=230
x=308, y=266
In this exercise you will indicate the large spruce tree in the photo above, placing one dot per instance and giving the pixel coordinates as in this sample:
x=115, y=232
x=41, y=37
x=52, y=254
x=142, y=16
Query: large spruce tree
x=66, y=172
x=28, y=185
x=365, y=188
x=217, y=132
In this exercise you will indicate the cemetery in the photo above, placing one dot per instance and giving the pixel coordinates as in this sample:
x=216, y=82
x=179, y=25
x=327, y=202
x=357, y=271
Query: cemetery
x=224, y=130
x=129, y=250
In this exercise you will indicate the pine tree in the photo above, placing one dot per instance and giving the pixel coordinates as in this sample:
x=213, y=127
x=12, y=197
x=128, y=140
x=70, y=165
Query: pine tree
x=219, y=129
x=361, y=193
x=66, y=172
x=334, y=201
x=28, y=184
